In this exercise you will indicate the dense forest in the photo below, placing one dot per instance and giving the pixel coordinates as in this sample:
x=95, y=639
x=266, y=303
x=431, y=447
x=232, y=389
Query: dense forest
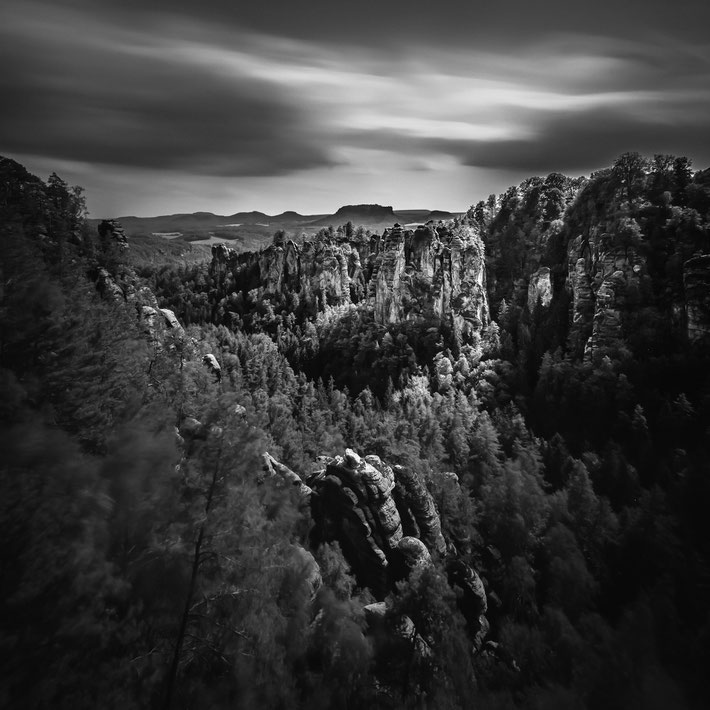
x=498, y=429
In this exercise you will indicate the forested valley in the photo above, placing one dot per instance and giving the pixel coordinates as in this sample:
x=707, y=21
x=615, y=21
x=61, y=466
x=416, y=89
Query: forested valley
x=462, y=465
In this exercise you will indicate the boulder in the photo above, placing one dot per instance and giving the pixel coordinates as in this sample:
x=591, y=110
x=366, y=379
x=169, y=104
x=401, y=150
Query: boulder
x=415, y=552
x=171, y=319
x=191, y=428
x=214, y=367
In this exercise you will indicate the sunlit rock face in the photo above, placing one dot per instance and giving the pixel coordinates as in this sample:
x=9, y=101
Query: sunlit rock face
x=316, y=271
x=324, y=272
x=431, y=274
x=696, y=283
x=540, y=288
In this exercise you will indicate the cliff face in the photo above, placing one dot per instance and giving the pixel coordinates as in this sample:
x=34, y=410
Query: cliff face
x=628, y=254
x=432, y=274
x=386, y=522
x=605, y=280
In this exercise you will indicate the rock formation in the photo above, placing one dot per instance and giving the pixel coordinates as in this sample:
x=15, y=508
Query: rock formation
x=171, y=319
x=540, y=288
x=427, y=274
x=213, y=365
x=278, y=470
x=601, y=276
x=387, y=524
x=111, y=231
x=471, y=598
x=696, y=282
x=107, y=287
x=420, y=506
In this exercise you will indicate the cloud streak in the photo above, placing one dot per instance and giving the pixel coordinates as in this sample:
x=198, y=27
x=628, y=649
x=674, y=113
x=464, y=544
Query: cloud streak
x=120, y=104
x=159, y=86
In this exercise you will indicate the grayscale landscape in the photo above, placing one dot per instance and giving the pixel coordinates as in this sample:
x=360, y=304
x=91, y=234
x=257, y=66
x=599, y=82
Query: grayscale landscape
x=354, y=355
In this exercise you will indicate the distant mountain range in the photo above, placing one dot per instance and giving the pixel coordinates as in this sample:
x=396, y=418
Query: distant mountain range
x=252, y=228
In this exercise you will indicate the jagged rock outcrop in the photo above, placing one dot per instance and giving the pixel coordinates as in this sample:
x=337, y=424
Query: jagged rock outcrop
x=427, y=274
x=472, y=599
x=278, y=470
x=580, y=282
x=398, y=627
x=414, y=551
x=696, y=283
x=602, y=274
x=107, y=287
x=540, y=288
x=387, y=525
x=210, y=361
x=171, y=319
x=414, y=495
x=355, y=506
x=157, y=322
x=607, y=322
x=148, y=317
x=111, y=231
x=431, y=275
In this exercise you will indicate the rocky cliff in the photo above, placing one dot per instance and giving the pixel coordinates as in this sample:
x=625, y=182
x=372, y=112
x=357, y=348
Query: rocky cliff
x=629, y=262
x=387, y=524
x=432, y=273
x=605, y=281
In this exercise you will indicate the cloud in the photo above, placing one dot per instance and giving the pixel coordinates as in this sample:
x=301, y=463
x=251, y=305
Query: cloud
x=226, y=91
x=560, y=140
x=453, y=23
x=121, y=101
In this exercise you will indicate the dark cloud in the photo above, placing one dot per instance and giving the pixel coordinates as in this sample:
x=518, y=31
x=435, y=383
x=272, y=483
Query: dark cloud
x=463, y=22
x=98, y=105
x=578, y=141
x=563, y=141
x=377, y=90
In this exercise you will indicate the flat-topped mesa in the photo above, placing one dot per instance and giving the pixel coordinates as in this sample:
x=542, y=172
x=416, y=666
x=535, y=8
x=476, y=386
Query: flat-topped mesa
x=432, y=273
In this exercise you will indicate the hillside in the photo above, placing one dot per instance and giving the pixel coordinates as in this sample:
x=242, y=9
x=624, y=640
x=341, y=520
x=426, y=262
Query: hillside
x=250, y=230
x=458, y=465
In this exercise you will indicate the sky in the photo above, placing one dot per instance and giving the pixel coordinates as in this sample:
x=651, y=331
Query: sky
x=166, y=106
